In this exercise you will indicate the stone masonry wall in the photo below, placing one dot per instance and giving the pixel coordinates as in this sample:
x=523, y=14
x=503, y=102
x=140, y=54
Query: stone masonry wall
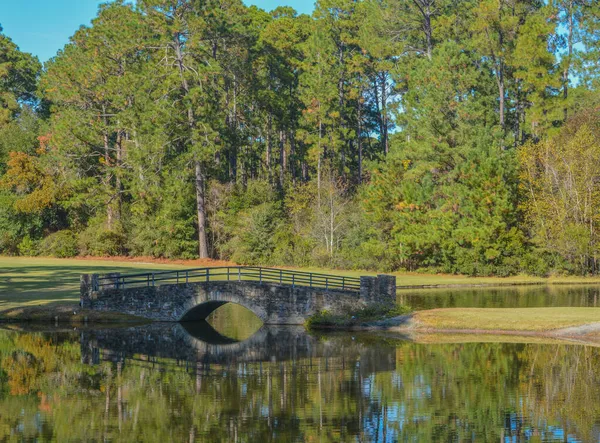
x=272, y=303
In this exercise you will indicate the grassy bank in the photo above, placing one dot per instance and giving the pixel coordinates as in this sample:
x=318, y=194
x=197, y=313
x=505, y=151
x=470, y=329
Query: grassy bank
x=41, y=281
x=34, y=282
x=516, y=319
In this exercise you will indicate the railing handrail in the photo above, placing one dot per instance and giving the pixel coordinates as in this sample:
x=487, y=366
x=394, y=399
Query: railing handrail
x=291, y=271
x=245, y=273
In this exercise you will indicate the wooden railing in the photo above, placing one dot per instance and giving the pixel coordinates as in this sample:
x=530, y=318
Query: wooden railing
x=230, y=273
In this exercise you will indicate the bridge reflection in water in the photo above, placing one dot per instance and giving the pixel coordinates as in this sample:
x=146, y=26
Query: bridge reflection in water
x=161, y=383
x=201, y=346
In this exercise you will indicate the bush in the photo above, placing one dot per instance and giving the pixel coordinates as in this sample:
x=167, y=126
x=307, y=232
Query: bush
x=99, y=241
x=61, y=244
x=28, y=247
x=254, y=240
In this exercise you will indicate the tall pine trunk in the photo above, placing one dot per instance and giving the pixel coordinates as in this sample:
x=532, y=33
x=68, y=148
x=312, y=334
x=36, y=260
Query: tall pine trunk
x=201, y=209
x=199, y=175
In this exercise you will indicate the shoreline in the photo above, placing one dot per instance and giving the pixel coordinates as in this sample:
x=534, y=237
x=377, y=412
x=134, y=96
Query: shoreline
x=408, y=326
x=66, y=314
x=586, y=330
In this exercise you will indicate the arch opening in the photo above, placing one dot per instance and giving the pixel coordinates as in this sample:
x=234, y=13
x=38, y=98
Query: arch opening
x=229, y=320
x=202, y=311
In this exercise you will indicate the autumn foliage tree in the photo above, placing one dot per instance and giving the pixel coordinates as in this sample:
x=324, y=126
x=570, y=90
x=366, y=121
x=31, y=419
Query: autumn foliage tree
x=561, y=185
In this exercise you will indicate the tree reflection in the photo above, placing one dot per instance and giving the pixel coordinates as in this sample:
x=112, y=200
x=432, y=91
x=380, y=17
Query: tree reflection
x=336, y=388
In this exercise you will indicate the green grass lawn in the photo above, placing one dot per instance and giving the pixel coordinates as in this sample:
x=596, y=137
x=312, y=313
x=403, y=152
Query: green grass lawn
x=417, y=279
x=38, y=281
x=514, y=319
x=26, y=281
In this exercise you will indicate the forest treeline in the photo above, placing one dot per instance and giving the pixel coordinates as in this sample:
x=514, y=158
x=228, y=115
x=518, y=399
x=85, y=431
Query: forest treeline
x=457, y=136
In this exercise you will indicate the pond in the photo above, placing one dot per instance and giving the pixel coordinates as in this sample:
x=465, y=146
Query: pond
x=534, y=296
x=233, y=380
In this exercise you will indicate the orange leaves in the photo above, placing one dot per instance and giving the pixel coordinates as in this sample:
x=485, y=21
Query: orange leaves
x=407, y=206
x=22, y=171
x=26, y=177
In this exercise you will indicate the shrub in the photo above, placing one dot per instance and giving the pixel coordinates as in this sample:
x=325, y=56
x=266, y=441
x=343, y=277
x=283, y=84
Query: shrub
x=99, y=241
x=28, y=247
x=61, y=244
x=255, y=238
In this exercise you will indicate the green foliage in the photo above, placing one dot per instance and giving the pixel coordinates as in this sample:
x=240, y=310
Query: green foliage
x=15, y=226
x=355, y=318
x=385, y=135
x=560, y=182
x=18, y=75
x=61, y=244
x=99, y=241
x=161, y=223
x=30, y=248
x=252, y=222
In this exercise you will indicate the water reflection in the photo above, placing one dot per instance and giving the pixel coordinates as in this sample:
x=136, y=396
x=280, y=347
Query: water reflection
x=503, y=297
x=159, y=383
x=235, y=321
x=202, y=346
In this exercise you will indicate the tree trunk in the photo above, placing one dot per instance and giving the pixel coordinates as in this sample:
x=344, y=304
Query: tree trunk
x=282, y=159
x=501, y=93
x=108, y=179
x=358, y=137
x=428, y=31
x=292, y=158
x=319, y=165
x=200, y=187
x=200, y=204
x=269, y=147
x=384, y=119
x=424, y=7
x=566, y=70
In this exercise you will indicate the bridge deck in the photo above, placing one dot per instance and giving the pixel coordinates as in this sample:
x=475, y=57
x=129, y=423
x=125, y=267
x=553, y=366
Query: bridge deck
x=229, y=273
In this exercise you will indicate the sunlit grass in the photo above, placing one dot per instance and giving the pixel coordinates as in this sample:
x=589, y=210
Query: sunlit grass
x=515, y=319
x=39, y=281
x=26, y=281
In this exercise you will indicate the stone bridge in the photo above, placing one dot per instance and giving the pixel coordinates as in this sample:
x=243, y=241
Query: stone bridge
x=276, y=296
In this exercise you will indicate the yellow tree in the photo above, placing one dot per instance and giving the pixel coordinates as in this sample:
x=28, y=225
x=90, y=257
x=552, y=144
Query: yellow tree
x=561, y=179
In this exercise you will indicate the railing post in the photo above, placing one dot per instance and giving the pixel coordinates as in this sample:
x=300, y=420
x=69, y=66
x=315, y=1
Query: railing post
x=260, y=275
x=228, y=269
x=147, y=280
x=239, y=273
x=311, y=285
x=187, y=277
x=293, y=280
x=326, y=282
x=343, y=283
x=153, y=279
x=206, y=275
x=177, y=276
x=280, y=277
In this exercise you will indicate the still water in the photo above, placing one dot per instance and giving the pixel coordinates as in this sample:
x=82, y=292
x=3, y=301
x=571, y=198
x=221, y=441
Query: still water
x=535, y=296
x=236, y=381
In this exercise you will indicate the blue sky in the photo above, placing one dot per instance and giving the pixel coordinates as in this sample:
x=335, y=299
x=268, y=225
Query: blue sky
x=42, y=27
